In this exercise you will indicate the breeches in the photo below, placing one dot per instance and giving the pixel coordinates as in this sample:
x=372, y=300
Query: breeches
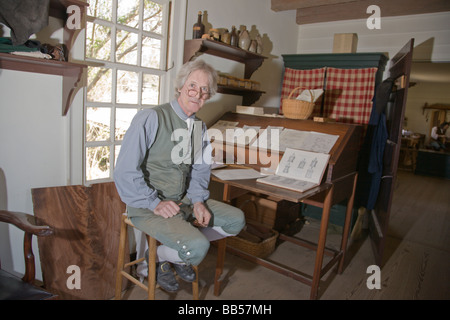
x=179, y=234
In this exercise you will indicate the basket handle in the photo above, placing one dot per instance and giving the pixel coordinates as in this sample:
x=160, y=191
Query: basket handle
x=310, y=92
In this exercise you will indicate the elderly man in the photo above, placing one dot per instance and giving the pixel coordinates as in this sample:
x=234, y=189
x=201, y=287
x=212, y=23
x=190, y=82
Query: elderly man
x=163, y=178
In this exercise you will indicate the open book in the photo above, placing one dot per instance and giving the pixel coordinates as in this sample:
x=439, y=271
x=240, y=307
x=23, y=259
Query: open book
x=228, y=132
x=298, y=170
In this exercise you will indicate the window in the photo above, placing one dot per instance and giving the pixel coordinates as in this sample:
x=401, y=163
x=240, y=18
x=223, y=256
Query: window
x=126, y=49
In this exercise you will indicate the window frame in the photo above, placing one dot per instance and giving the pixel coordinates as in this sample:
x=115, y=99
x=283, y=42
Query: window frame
x=113, y=105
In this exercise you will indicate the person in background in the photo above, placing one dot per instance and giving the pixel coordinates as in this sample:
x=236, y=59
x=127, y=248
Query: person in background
x=437, y=140
x=163, y=173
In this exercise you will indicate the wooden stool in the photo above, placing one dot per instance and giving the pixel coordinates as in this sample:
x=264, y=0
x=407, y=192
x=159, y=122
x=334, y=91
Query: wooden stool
x=152, y=245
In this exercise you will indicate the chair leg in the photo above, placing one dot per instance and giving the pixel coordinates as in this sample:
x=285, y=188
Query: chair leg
x=221, y=250
x=151, y=267
x=121, y=258
x=195, y=284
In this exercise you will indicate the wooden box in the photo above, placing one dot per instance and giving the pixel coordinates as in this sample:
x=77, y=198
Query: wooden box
x=273, y=213
x=345, y=43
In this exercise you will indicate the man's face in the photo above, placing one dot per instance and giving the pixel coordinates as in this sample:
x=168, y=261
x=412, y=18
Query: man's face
x=194, y=93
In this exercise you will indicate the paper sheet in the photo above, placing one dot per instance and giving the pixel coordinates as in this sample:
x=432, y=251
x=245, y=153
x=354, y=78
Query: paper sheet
x=236, y=174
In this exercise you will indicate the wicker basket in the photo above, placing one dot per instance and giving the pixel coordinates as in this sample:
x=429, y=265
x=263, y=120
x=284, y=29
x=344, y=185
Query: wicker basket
x=297, y=109
x=261, y=249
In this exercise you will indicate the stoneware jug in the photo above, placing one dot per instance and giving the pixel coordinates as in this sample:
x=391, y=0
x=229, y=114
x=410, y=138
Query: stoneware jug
x=244, y=39
x=259, y=48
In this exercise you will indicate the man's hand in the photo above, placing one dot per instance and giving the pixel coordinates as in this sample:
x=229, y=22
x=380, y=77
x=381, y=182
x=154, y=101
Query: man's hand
x=167, y=209
x=202, y=214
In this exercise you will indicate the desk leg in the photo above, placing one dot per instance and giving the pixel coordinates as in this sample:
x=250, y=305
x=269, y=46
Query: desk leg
x=346, y=232
x=321, y=244
x=221, y=250
x=226, y=197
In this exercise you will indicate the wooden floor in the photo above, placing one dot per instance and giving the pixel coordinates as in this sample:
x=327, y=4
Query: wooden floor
x=417, y=257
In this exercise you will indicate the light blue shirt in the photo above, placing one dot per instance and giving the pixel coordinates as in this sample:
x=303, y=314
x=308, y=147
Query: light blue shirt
x=128, y=175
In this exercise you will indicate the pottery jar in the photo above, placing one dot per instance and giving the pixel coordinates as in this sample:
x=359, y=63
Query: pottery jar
x=244, y=39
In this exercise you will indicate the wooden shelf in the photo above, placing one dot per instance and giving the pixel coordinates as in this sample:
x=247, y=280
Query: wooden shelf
x=249, y=96
x=252, y=61
x=70, y=71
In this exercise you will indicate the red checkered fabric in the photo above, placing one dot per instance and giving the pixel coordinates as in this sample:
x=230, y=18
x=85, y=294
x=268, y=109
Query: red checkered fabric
x=310, y=79
x=349, y=93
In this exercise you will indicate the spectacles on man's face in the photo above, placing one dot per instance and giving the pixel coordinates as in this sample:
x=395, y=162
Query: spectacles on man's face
x=194, y=90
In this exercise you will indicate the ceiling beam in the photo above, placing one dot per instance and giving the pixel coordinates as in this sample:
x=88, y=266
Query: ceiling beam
x=357, y=9
x=283, y=5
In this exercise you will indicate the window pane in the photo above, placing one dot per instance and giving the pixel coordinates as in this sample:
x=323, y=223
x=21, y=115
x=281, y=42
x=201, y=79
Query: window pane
x=97, y=162
x=151, y=52
x=150, y=89
x=123, y=120
x=127, y=87
x=128, y=13
x=99, y=84
x=126, y=44
x=152, y=17
x=98, y=124
x=100, y=8
x=98, y=41
x=116, y=153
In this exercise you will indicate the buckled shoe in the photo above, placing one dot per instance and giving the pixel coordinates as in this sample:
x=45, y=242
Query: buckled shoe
x=165, y=277
x=185, y=272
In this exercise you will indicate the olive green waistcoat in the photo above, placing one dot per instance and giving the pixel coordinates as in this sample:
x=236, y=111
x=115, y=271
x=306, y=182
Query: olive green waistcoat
x=160, y=172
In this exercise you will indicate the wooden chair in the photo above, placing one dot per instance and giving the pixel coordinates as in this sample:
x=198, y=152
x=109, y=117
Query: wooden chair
x=152, y=246
x=12, y=287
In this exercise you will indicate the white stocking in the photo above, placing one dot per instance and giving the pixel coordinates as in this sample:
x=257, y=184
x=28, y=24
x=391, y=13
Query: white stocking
x=215, y=233
x=164, y=253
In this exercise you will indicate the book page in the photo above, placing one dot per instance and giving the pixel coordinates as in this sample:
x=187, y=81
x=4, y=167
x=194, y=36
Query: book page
x=319, y=142
x=268, y=138
x=290, y=138
x=228, y=132
x=288, y=183
x=303, y=165
x=298, y=170
x=306, y=140
x=236, y=174
x=244, y=136
x=218, y=131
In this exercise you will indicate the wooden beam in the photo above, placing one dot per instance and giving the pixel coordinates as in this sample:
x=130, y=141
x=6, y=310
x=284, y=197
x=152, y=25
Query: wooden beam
x=436, y=106
x=283, y=5
x=357, y=10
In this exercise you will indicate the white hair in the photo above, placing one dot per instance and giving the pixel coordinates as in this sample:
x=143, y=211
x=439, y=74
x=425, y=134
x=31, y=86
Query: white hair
x=192, y=66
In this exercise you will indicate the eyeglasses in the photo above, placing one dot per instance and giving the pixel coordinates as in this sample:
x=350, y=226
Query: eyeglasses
x=194, y=90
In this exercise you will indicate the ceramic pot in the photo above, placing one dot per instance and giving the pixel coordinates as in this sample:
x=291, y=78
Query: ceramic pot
x=244, y=39
x=259, y=48
x=253, y=46
x=226, y=37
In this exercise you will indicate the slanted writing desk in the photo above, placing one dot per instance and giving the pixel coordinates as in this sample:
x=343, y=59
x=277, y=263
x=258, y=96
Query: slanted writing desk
x=338, y=184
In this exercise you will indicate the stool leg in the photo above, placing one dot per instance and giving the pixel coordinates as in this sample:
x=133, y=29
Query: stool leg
x=151, y=267
x=121, y=258
x=221, y=250
x=195, y=284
